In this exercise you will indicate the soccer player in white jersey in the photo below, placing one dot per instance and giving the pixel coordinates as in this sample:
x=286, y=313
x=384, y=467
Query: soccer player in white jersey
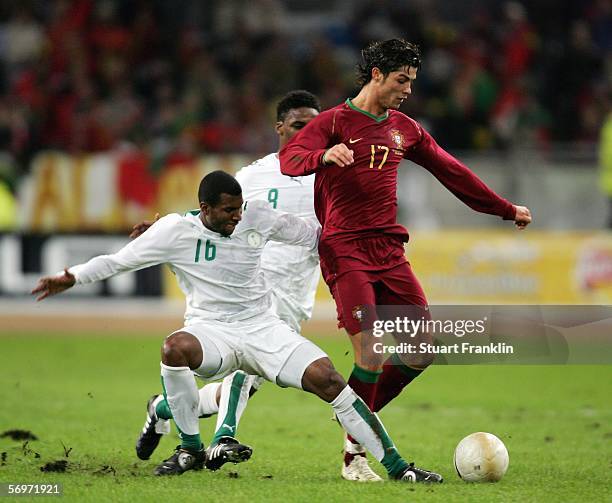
x=229, y=324
x=291, y=272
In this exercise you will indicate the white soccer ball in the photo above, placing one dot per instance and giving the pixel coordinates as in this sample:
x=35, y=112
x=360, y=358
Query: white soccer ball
x=481, y=457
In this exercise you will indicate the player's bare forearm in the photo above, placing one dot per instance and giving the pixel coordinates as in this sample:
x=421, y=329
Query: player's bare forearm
x=522, y=217
x=52, y=285
x=141, y=227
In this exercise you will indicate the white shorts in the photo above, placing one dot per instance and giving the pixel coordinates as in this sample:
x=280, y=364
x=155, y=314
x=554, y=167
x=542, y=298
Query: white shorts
x=263, y=345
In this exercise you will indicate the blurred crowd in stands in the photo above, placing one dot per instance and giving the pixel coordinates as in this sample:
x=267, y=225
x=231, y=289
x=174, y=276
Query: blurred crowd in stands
x=180, y=78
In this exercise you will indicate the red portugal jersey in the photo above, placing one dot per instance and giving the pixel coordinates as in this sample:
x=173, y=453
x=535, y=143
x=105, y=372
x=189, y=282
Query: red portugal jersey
x=357, y=204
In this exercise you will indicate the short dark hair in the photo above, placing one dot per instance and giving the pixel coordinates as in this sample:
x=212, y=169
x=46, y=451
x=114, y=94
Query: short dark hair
x=216, y=183
x=296, y=99
x=388, y=56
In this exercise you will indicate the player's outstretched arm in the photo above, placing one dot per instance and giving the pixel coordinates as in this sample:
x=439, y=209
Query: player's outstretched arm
x=152, y=248
x=141, y=227
x=52, y=285
x=462, y=182
x=522, y=217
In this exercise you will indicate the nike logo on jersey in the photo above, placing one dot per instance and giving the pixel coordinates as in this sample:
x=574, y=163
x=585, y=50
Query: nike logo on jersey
x=354, y=141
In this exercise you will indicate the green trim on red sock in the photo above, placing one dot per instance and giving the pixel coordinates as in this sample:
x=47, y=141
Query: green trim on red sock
x=369, y=376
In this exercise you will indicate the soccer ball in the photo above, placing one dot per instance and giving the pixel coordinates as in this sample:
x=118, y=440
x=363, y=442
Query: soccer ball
x=481, y=457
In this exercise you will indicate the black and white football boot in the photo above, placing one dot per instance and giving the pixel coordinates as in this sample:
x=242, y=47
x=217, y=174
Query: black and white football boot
x=152, y=430
x=414, y=474
x=227, y=450
x=181, y=461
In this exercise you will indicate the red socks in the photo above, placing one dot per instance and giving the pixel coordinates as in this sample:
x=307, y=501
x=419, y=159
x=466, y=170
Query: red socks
x=394, y=378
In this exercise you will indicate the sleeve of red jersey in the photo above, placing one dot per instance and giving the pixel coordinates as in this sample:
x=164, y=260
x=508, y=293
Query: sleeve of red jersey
x=303, y=155
x=458, y=178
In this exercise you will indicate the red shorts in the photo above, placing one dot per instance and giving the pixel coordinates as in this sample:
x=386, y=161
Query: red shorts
x=358, y=295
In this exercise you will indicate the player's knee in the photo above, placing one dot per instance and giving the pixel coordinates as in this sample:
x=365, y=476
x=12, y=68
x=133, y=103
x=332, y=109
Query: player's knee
x=181, y=350
x=423, y=359
x=418, y=361
x=422, y=362
x=331, y=384
x=172, y=353
x=322, y=379
x=427, y=360
x=336, y=384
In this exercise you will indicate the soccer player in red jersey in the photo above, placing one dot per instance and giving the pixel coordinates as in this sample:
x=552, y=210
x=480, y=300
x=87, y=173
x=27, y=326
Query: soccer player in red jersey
x=355, y=150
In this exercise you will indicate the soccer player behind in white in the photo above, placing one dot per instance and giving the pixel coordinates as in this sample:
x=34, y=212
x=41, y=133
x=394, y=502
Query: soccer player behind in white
x=291, y=271
x=228, y=321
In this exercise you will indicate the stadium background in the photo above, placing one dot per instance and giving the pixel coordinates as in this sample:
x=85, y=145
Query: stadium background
x=111, y=111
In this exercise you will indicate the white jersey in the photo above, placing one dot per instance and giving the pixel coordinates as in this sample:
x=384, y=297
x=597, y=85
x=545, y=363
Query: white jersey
x=220, y=276
x=292, y=271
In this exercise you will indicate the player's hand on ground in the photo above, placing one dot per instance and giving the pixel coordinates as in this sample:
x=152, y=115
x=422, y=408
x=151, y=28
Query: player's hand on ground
x=52, y=285
x=339, y=154
x=140, y=228
x=523, y=217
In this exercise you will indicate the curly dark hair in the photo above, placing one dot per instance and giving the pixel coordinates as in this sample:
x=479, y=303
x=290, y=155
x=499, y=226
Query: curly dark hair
x=216, y=183
x=296, y=99
x=388, y=56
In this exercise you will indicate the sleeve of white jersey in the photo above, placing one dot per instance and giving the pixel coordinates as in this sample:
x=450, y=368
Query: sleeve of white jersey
x=294, y=230
x=286, y=227
x=151, y=248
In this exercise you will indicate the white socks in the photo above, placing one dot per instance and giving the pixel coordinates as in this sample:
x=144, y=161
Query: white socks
x=362, y=424
x=234, y=398
x=187, y=403
x=208, y=399
x=182, y=396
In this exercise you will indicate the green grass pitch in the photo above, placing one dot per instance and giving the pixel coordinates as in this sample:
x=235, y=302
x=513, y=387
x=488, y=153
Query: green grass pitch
x=86, y=395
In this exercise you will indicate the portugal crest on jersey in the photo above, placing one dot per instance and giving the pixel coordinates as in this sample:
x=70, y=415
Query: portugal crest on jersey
x=359, y=313
x=398, y=138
